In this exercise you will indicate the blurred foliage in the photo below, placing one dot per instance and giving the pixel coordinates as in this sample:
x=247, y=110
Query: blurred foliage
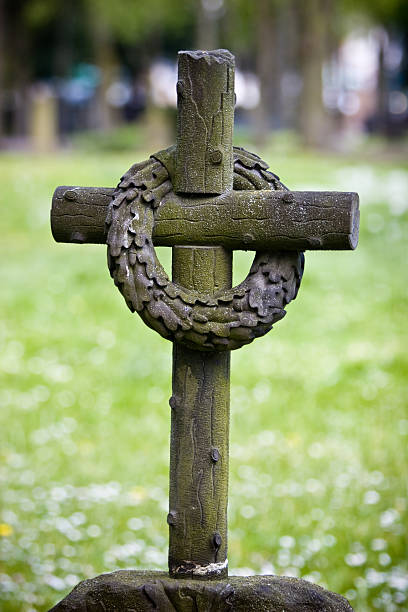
x=147, y=17
x=161, y=26
x=285, y=43
x=385, y=12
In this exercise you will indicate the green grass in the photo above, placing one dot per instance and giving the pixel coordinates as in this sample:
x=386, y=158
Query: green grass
x=319, y=431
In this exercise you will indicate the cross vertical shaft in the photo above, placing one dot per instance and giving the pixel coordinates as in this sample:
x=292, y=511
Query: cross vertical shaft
x=201, y=380
x=199, y=433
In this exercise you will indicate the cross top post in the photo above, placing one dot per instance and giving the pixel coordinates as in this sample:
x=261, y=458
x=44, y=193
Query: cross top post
x=204, y=198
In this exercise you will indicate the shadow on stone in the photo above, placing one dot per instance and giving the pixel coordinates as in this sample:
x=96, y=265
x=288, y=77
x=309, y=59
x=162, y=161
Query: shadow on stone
x=137, y=591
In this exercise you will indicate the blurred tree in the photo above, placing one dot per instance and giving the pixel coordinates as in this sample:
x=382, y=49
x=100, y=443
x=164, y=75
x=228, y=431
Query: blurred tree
x=268, y=65
x=147, y=26
x=141, y=30
x=313, y=18
x=392, y=16
x=253, y=33
x=288, y=37
x=17, y=65
x=67, y=18
x=208, y=14
x=106, y=59
x=274, y=38
x=96, y=31
x=2, y=67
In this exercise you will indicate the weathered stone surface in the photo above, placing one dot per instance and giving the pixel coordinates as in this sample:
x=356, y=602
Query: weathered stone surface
x=205, y=120
x=133, y=591
x=260, y=220
x=198, y=491
x=199, y=433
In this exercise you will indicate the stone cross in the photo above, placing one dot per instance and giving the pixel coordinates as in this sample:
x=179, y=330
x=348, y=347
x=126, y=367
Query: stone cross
x=204, y=198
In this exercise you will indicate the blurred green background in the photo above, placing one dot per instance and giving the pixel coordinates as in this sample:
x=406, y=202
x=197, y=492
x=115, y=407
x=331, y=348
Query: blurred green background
x=319, y=419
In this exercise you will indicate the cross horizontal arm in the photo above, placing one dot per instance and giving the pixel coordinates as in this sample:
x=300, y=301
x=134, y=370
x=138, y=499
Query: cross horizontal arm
x=247, y=220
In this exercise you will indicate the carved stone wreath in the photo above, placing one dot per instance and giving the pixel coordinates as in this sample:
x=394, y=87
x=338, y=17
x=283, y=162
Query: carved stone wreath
x=224, y=321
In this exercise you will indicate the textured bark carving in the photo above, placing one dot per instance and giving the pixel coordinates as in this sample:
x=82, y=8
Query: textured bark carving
x=224, y=321
x=201, y=380
x=262, y=220
x=199, y=433
x=78, y=214
x=267, y=220
x=205, y=119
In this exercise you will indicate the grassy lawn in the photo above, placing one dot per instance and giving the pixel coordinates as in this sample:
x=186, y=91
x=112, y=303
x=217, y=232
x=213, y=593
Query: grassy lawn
x=319, y=431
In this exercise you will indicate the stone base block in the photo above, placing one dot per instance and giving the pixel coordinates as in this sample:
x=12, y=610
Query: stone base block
x=138, y=591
